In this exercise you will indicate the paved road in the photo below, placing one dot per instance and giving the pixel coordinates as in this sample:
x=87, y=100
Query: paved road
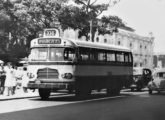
x=127, y=106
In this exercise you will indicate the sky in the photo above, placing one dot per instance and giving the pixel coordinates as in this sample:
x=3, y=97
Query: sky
x=144, y=16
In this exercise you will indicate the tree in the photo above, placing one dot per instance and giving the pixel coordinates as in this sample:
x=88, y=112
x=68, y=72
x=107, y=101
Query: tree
x=91, y=10
x=109, y=24
x=27, y=17
x=4, y=20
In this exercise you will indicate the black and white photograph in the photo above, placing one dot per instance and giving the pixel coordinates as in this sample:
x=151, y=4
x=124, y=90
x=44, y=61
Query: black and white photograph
x=82, y=60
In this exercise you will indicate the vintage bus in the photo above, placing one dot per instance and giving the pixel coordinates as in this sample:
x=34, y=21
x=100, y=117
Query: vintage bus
x=77, y=66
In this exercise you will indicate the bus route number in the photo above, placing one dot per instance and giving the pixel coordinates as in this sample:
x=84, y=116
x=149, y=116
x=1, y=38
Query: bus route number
x=50, y=32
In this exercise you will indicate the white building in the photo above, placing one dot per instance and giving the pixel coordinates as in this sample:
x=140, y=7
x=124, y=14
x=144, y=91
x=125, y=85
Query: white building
x=142, y=47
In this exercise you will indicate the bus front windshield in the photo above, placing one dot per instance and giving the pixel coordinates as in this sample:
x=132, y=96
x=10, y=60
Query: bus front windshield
x=52, y=54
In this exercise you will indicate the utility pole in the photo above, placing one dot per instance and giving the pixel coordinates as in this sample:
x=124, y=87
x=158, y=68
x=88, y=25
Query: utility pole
x=90, y=30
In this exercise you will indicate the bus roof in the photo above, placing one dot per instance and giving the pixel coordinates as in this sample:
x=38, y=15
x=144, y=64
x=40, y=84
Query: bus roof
x=100, y=45
x=78, y=43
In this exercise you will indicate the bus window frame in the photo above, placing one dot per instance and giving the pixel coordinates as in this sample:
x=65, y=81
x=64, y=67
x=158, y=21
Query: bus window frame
x=104, y=57
x=40, y=59
x=80, y=57
x=113, y=53
x=48, y=54
x=126, y=54
x=94, y=54
x=130, y=57
x=120, y=53
x=75, y=51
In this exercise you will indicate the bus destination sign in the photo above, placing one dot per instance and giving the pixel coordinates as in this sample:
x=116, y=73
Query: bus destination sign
x=49, y=41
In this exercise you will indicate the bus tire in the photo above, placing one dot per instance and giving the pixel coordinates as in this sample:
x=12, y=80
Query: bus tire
x=109, y=91
x=44, y=93
x=139, y=88
x=70, y=91
x=113, y=91
x=132, y=89
x=82, y=93
x=150, y=91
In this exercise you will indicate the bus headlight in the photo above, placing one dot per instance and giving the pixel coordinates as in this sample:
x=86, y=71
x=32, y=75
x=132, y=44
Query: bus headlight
x=67, y=75
x=31, y=76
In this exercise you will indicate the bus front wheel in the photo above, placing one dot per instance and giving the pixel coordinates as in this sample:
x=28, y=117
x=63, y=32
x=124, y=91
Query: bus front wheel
x=44, y=93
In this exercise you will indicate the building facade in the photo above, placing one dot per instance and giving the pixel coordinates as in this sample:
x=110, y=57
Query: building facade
x=142, y=47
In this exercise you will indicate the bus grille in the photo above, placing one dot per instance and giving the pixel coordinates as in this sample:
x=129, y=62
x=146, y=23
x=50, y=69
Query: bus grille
x=47, y=73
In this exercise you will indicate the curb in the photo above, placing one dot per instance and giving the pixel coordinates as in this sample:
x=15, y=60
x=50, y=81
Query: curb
x=24, y=97
x=15, y=98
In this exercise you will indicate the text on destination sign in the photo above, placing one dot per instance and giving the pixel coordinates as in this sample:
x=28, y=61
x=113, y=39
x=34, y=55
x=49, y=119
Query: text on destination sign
x=49, y=41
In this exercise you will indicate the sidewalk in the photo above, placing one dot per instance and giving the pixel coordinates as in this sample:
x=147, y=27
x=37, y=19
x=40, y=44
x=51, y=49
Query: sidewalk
x=19, y=94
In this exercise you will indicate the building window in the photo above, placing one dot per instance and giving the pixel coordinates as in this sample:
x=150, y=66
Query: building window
x=97, y=39
x=145, y=61
x=118, y=43
x=135, y=64
x=145, y=47
x=105, y=40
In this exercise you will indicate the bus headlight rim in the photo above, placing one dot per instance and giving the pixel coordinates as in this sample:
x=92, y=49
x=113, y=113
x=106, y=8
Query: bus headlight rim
x=67, y=75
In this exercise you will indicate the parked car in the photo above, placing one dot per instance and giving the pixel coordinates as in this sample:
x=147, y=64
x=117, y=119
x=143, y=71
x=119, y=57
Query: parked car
x=141, y=77
x=158, y=81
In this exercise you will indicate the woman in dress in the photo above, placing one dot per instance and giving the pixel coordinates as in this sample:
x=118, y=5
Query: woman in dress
x=25, y=79
x=9, y=81
x=2, y=78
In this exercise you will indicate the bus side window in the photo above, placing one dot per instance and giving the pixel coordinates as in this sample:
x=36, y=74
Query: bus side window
x=102, y=56
x=126, y=57
x=111, y=56
x=120, y=57
x=69, y=54
x=130, y=57
x=92, y=55
x=83, y=54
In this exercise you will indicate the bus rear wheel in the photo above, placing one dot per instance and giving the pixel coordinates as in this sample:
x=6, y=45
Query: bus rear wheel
x=44, y=93
x=113, y=91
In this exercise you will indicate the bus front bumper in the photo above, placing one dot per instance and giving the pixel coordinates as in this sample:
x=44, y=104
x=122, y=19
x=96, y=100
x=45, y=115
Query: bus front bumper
x=54, y=85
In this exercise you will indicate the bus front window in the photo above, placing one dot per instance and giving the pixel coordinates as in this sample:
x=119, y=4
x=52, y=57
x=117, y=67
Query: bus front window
x=38, y=54
x=56, y=54
x=52, y=54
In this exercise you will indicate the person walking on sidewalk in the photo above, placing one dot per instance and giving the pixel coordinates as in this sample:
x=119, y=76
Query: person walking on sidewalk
x=25, y=79
x=14, y=79
x=18, y=76
x=2, y=78
x=9, y=81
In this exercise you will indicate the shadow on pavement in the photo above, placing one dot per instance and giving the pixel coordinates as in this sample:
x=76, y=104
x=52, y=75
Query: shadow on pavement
x=129, y=90
x=73, y=98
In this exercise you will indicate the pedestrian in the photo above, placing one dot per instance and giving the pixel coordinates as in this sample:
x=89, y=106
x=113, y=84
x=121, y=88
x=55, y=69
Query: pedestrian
x=25, y=79
x=14, y=82
x=2, y=78
x=9, y=81
x=18, y=76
